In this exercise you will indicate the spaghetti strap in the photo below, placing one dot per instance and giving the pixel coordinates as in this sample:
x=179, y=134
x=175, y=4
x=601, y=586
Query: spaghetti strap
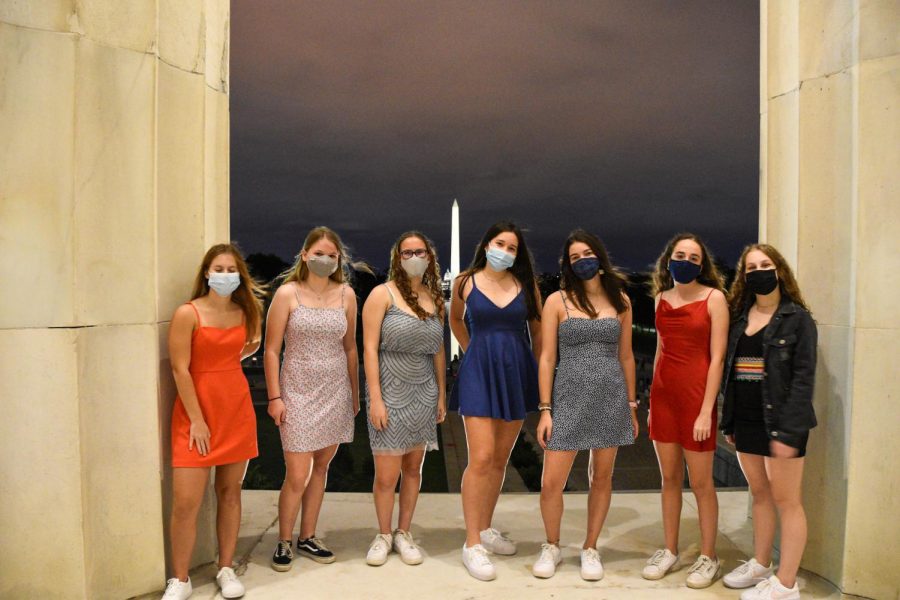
x=562, y=294
x=343, y=289
x=297, y=293
x=388, y=288
x=196, y=312
x=709, y=294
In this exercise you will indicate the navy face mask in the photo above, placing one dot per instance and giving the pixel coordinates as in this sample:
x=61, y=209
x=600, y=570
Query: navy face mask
x=684, y=271
x=585, y=268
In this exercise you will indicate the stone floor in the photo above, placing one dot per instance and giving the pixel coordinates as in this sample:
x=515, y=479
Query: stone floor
x=633, y=530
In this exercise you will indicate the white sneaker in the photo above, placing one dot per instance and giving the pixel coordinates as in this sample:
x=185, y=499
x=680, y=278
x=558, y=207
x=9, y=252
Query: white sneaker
x=545, y=565
x=406, y=547
x=229, y=583
x=659, y=564
x=477, y=563
x=703, y=572
x=496, y=542
x=591, y=567
x=177, y=589
x=771, y=589
x=747, y=574
x=379, y=550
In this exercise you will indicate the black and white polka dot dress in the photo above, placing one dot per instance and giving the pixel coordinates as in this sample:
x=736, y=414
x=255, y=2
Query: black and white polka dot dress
x=590, y=400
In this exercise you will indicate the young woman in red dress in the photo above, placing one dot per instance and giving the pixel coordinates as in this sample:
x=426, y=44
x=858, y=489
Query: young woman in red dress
x=692, y=333
x=213, y=423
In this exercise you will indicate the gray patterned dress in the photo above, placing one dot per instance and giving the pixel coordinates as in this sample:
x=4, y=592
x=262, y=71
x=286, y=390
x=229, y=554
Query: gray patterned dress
x=590, y=400
x=408, y=382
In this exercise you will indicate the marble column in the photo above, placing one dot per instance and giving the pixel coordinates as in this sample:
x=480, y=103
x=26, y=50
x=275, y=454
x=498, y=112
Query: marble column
x=830, y=201
x=114, y=151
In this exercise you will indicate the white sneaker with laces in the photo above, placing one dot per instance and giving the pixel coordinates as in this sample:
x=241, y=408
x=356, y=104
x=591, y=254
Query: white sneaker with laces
x=703, y=572
x=747, y=574
x=477, y=563
x=659, y=564
x=771, y=589
x=177, y=589
x=545, y=565
x=406, y=547
x=229, y=583
x=591, y=567
x=496, y=542
x=379, y=550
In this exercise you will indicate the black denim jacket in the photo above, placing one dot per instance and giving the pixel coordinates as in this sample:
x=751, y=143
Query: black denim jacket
x=789, y=352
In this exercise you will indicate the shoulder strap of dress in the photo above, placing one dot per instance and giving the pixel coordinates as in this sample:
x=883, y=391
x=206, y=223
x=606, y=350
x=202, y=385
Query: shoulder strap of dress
x=562, y=294
x=297, y=292
x=709, y=294
x=343, y=288
x=196, y=312
x=388, y=288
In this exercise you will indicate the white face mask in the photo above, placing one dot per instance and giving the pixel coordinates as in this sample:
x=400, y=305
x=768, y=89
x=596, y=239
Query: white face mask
x=323, y=266
x=414, y=266
x=224, y=283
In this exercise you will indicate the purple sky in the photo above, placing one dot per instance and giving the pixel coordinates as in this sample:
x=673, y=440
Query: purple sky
x=632, y=118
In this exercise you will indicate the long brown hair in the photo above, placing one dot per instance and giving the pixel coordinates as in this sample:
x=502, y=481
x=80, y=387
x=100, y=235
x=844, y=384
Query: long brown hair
x=431, y=279
x=248, y=293
x=740, y=297
x=611, y=280
x=522, y=269
x=661, y=279
x=299, y=271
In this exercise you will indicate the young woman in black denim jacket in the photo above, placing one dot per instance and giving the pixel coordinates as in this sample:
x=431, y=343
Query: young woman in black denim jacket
x=767, y=412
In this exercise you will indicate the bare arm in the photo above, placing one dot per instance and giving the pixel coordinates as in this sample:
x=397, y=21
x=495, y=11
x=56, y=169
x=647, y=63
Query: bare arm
x=252, y=346
x=350, y=348
x=180, y=331
x=373, y=314
x=458, y=312
x=535, y=328
x=718, y=341
x=276, y=323
x=626, y=359
x=440, y=372
x=549, y=335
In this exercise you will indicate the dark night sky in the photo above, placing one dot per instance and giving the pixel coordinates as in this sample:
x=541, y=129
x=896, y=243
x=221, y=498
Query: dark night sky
x=632, y=118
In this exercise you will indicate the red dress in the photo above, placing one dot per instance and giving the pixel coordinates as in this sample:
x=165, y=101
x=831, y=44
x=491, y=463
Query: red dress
x=224, y=397
x=679, y=381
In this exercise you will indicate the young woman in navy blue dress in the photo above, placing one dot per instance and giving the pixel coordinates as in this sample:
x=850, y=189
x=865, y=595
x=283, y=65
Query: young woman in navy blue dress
x=494, y=305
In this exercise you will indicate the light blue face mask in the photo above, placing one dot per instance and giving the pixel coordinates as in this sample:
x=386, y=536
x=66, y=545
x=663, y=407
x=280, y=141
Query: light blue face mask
x=498, y=259
x=224, y=283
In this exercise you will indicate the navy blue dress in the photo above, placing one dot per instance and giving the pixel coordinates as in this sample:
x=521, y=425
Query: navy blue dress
x=498, y=374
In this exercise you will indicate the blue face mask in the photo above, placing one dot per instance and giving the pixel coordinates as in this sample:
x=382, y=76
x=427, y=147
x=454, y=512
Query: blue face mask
x=224, y=283
x=684, y=271
x=498, y=259
x=585, y=268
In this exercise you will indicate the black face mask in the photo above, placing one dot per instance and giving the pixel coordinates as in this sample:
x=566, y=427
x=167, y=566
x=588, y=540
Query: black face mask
x=762, y=281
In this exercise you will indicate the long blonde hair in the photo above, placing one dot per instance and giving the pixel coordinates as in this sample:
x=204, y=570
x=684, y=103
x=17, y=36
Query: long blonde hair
x=248, y=293
x=299, y=271
x=431, y=279
x=740, y=297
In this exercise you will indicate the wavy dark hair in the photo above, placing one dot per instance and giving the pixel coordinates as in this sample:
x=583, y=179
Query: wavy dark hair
x=611, y=280
x=661, y=280
x=431, y=279
x=740, y=297
x=248, y=294
x=522, y=269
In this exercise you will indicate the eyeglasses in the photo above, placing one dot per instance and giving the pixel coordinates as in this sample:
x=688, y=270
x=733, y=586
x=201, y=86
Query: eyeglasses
x=418, y=253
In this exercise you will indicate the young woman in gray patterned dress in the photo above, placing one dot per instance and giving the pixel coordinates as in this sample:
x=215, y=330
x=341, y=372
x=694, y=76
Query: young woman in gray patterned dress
x=403, y=342
x=590, y=403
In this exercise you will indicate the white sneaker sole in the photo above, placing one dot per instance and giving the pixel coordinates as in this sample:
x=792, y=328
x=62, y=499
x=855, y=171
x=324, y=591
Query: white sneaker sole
x=412, y=561
x=655, y=576
x=543, y=574
x=374, y=562
x=322, y=561
x=490, y=577
x=703, y=584
x=591, y=577
x=742, y=585
x=281, y=568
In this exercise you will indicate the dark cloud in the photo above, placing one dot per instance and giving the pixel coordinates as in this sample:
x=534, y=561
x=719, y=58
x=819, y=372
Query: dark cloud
x=634, y=119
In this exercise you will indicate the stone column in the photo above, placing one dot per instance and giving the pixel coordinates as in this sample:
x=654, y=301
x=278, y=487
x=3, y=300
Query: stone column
x=830, y=200
x=113, y=181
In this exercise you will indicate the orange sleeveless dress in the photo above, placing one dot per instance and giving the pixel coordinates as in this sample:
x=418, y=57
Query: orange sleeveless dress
x=224, y=396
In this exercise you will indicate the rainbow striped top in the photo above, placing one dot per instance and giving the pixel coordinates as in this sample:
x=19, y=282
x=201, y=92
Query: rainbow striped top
x=749, y=368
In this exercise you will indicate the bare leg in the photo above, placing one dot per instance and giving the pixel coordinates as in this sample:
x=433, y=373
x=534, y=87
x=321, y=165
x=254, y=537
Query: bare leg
x=754, y=468
x=505, y=435
x=557, y=465
x=299, y=467
x=600, y=474
x=229, y=479
x=409, y=486
x=700, y=468
x=387, y=471
x=188, y=486
x=786, y=478
x=671, y=467
x=476, y=480
x=315, y=491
